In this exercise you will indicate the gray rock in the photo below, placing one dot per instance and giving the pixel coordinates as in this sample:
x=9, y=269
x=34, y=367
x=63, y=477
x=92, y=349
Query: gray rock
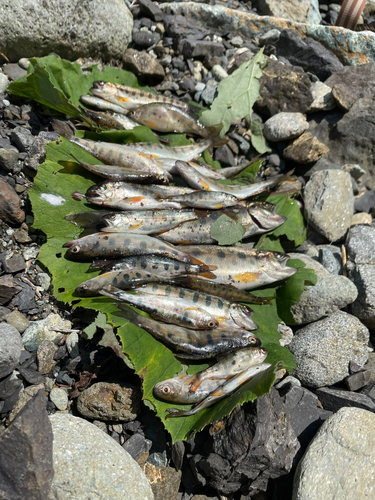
x=361, y=244
x=324, y=349
x=305, y=149
x=269, y=38
x=144, y=66
x=26, y=469
x=4, y=82
x=8, y=158
x=284, y=126
x=340, y=461
x=106, y=401
x=44, y=329
x=307, y=53
x=151, y=10
x=191, y=48
x=22, y=138
x=72, y=344
x=101, y=30
x=209, y=93
x=45, y=356
x=323, y=98
x=297, y=11
x=59, y=397
x=14, y=71
x=144, y=39
x=330, y=257
x=18, y=320
x=329, y=203
x=84, y=459
x=350, y=47
x=358, y=380
x=14, y=264
x=10, y=349
x=136, y=445
x=24, y=397
x=24, y=63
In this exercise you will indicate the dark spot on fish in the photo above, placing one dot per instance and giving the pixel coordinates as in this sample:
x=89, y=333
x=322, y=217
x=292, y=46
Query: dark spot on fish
x=114, y=281
x=221, y=254
x=143, y=264
x=196, y=297
x=210, y=341
x=138, y=275
x=208, y=301
x=241, y=255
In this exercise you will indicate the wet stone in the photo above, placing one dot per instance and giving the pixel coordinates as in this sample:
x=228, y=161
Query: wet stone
x=106, y=401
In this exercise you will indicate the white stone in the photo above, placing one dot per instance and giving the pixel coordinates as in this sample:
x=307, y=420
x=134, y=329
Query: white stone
x=284, y=126
x=4, y=82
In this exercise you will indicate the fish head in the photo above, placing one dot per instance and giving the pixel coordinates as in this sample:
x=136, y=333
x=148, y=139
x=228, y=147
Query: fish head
x=241, y=315
x=87, y=289
x=274, y=265
x=259, y=354
x=264, y=215
x=249, y=339
x=103, y=89
x=100, y=193
x=173, y=388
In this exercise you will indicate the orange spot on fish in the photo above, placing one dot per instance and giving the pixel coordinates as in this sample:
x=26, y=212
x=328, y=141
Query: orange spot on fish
x=123, y=99
x=205, y=186
x=247, y=277
x=150, y=124
x=135, y=199
x=136, y=226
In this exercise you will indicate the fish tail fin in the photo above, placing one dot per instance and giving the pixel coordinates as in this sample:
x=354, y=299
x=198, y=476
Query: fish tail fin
x=206, y=272
x=63, y=130
x=193, y=260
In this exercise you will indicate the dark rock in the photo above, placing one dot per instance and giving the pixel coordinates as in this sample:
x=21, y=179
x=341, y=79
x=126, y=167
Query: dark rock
x=8, y=158
x=144, y=66
x=188, y=84
x=24, y=301
x=144, y=39
x=22, y=138
x=31, y=375
x=10, y=402
x=151, y=10
x=136, y=445
x=358, y=380
x=333, y=399
x=4, y=311
x=164, y=481
x=26, y=469
x=180, y=27
x=224, y=155
x=8, y=386
x=177, y=454
x=283, y=88
x=193, y=48
x=14, y=264
x=10, y=204
x=307, y=53
x=366, y=202
x=322, y=164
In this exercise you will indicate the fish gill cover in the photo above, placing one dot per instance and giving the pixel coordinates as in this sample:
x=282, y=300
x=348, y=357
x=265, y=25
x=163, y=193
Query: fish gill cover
x=151, y=360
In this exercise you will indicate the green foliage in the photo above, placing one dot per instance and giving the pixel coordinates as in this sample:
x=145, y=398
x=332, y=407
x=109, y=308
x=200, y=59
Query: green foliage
x=100, y=322
x=227, y=231
x=58, y=84
x=237, y=94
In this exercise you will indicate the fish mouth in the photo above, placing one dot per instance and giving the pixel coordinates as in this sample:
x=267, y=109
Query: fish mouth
x=265, y=216
x=280, y=269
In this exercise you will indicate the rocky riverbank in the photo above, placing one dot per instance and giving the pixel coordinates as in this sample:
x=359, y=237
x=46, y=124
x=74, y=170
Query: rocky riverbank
x=69, y=405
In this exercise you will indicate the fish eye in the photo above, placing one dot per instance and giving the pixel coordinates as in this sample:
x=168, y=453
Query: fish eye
x=212, y=324
x=75, y=249
x=166, y=389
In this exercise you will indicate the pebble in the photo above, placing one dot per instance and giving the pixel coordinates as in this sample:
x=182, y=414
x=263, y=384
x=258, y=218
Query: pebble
x=90, y=464
x=110, y=401
x=285, y=126
x=59, y=398
x=4, y=82
x=323, y=349
x=45, y=356
x=331, y=292
x=10, y=204
x=361, y=218
x=329, y=203
x=30, y=253
x=24, y=63
x=44, y=330
x=45, y=281
x=340, y=461
x=18, y=320
x=8, y=158
x=72, y=344
x=10, y=349
x=323, y=98
x=218, y=72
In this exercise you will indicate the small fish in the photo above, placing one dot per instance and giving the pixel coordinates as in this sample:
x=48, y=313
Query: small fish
x=142, y=222
x=228, y=292
x=130, y=98
x=117, y=121
x=188, y=389
x=123, y=244
x=184, y=153
x=242, y=267
x=175, y=311
x=165, y=267
x=115, y=154
x=192, y=344
x=227, y=314
x=169, y=165
x=223, y=391
x=198, y=181
x=168, y=118
x=98, y=103
x=206, y=200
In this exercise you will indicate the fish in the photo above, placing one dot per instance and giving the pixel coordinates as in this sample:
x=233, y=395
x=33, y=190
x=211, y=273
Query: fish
x=191, y=344
x=211, y=200
x=228, y=292
x=175, y=311
x=169, y=165
x=256, y=217
x=130, y=98
x=97, y=102
x=189, y=389
x=169, y=118
x=162, y=266
x=126, y=196
x=225, y=390
x=198, y=181
x=242, y=267
x=184, y=153
x=111, y=120
x=123, y=244
x=142, y=222
x=115, y=154
x=228, y=314
x=124, y=280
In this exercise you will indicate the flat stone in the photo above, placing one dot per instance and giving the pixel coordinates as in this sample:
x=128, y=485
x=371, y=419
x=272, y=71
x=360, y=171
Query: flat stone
x=329, y=203
x=8, y=288
x=284, y=126
x=330, y=293
x=44, y=330
x=26, y=469
x=18, y=320
x=323, y=349
x=358, y=380
x=14, y=71
x=24, y=397
x=84, y=459
x=340, y=461
x=10, y=204
x=102, y=29
x=144, y=66
x=8, y=158
x=305, y=149
x=106, y=401
x=334, y=399
x=59, y=398
x=323, y=98
x=14, y=264
x=137, y=445
x=297, y=11
x=10, y=349
x=151, y=10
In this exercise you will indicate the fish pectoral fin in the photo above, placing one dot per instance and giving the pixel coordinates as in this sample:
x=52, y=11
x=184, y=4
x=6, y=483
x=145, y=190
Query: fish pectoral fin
x=136, y=226
x=208, y=275
x=134, y=199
